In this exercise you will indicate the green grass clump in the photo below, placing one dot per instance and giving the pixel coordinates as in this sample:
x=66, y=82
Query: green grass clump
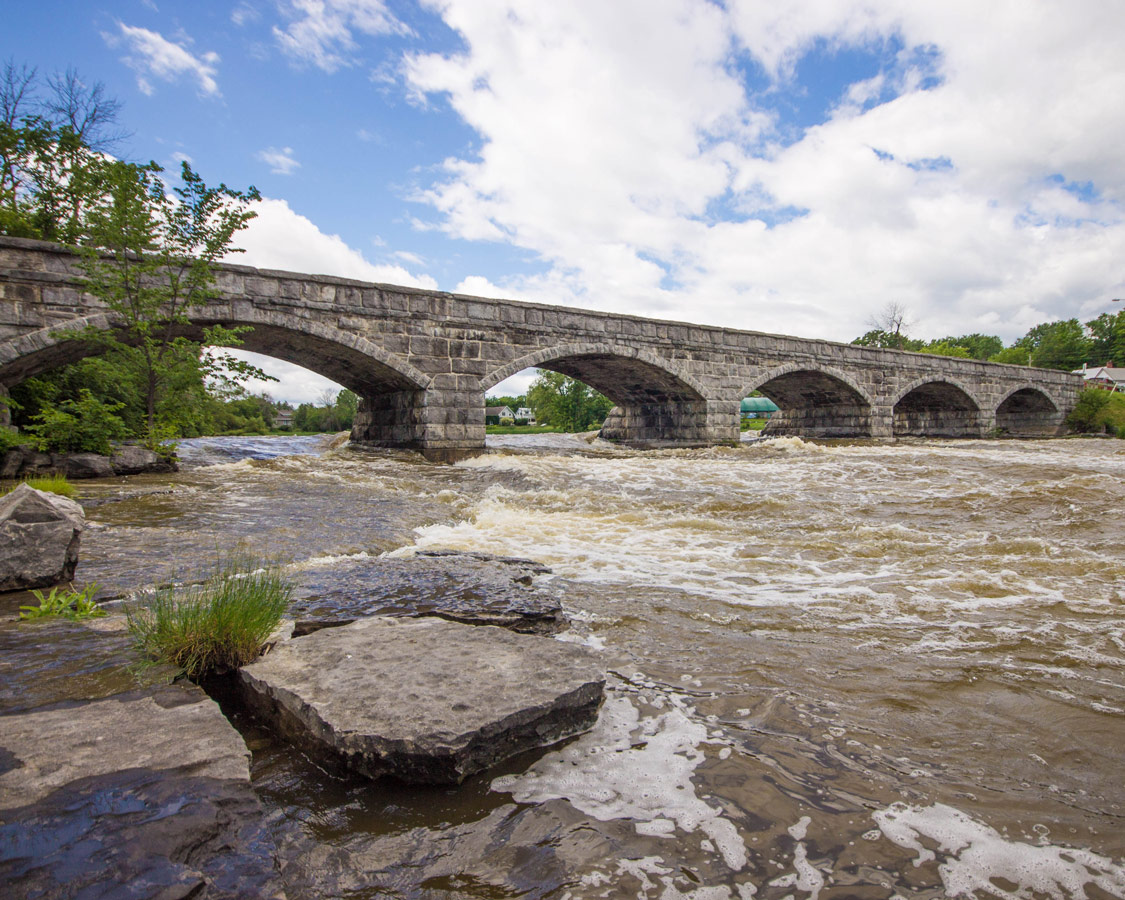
x=53, y=484
x=215, y=626
x=64, y=602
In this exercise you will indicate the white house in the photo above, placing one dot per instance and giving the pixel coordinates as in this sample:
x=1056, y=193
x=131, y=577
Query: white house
x=1108, y=377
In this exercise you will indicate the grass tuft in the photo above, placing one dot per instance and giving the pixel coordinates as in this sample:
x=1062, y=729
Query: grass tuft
x=53, y=484
x=215, y=626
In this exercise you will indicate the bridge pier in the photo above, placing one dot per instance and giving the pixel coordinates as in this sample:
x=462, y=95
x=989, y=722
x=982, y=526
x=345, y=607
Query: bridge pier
x=444, y=426
x=695, y=423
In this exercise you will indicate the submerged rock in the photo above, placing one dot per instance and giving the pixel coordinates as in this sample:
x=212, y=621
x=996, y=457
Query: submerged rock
x=39, y=537
x=428, y=700
x=146, y=794
x=471, y=588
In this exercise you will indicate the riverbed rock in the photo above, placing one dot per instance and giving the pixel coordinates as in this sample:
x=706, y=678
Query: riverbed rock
x=471, y=588
x=146, y=795
x=425, y=700
x=133, y=460
x=39, y=537
x=83, y=465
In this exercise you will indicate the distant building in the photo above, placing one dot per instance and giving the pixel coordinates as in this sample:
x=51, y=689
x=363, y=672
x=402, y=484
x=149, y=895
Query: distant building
x=758, y=408
x=525, y=413
x=283, y=418
x=1108, y=377
x=493, y=414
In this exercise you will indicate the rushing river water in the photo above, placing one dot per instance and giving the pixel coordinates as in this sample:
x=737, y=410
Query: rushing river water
x=848, y=670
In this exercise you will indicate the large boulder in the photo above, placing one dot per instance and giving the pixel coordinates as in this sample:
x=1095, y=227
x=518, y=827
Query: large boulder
x=83, y=465
x=425, y=700
x=39, y=537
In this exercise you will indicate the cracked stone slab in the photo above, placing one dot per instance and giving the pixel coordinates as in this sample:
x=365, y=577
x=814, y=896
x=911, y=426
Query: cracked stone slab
x=425, y=700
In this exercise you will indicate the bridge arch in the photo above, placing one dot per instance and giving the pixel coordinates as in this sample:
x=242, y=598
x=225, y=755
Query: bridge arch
x=936, y=407
x=1029, y=411
x=390, y=389
x=814, y=401
x=657, y=402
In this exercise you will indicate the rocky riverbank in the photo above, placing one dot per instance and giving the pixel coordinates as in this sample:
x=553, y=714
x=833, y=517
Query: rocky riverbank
x=109, y=786
x=25, y=462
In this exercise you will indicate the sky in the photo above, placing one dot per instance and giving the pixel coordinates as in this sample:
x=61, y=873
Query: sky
x=787, y=166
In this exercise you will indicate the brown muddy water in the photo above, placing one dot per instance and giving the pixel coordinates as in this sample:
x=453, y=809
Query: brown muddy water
x=848, y=670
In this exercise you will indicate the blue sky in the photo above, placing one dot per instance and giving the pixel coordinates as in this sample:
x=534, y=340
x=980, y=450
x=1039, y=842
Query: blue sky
x=789, y=167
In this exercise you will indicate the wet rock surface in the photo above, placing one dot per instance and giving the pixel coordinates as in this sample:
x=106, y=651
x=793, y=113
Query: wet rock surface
x=474, y=589
x=146, y=794
x=39, y=537
x=426, y=701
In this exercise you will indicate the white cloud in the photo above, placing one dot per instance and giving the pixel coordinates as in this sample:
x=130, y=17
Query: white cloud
x=279, y=238
x=281, y=162
x=243, y=14
x=651, y=180
x=322, y=31
x=154, y=56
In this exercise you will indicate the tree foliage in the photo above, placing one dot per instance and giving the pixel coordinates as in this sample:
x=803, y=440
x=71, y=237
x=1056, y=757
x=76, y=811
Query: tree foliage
x=148, y=250
x=566, y=403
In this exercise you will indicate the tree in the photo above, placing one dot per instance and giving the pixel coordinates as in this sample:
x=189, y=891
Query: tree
x=892, y=320
x=1107, y=339
x=1057, y=345
x=566, y=403
x=150, y=256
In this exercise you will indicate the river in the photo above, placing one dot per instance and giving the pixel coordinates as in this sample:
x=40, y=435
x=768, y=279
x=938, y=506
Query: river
x=838, y=670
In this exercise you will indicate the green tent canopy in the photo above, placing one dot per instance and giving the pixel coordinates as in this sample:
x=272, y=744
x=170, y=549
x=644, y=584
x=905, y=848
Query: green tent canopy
x=758, y=405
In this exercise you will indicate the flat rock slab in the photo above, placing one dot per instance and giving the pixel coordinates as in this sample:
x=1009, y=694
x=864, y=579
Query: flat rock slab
x=425, y=700
x=146, y=794
x=474, y=589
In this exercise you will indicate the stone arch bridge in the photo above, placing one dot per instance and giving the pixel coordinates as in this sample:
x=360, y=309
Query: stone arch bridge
x=421, y=361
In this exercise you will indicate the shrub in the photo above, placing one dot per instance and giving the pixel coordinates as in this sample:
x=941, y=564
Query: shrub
x=1098, y=411
x=10, y=440
x=66, y=602
x=85, y=425
x=507, y=422
x=218, y=625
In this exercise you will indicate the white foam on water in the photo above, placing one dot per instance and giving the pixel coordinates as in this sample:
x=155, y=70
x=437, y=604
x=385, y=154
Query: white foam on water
x=973, y=854
x=632, y=768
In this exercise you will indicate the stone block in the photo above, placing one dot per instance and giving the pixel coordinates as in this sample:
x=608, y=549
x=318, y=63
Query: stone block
x=426, y=701
x=39, y=538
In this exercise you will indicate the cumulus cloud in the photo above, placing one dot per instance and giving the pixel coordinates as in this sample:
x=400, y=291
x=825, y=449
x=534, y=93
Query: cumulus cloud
x=279, y=238
x=976, y=178
x=154, y=56
x=281, y=162
x=321, y=31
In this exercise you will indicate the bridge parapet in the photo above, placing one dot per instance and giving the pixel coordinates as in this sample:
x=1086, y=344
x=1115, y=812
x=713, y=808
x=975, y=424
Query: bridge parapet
x=421, y=360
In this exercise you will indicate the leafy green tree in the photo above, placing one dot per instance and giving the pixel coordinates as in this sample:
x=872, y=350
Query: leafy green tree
x=1107, y=339
x=976, y=345
x=945, y=348
x=1057, y=345
x=1016, y=355
x=150, y=256
x=566, y=403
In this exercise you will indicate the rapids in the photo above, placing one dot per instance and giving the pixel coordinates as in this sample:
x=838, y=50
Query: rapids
x=837, y=670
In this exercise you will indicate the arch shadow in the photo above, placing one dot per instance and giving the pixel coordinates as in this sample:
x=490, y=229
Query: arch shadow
x=814, y=401
x=1029, y=411
x=936, y=407
x=657, y=403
